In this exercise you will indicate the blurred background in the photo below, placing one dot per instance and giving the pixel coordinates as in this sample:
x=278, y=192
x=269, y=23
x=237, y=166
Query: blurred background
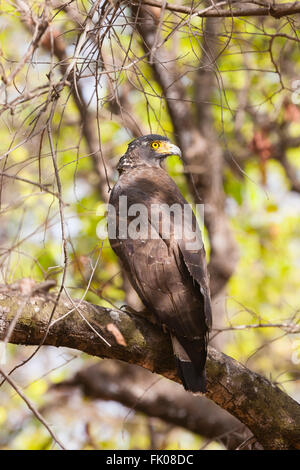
x=81, y=79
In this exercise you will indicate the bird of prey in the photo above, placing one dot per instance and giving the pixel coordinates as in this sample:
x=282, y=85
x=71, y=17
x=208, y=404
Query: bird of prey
x=168, y=274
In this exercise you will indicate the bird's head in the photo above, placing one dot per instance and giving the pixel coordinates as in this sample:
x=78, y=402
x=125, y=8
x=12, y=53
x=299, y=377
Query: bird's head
x=148, y=150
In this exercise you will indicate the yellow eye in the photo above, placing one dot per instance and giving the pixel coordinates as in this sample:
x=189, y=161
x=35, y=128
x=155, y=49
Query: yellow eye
x=155, y=145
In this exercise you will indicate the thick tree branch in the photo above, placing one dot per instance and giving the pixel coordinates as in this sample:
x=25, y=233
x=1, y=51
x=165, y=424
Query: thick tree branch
x=215, y=10
x=272, y=416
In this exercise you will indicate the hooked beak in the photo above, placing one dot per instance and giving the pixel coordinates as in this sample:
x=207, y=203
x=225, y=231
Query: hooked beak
x=174, y=150
x=167, y=148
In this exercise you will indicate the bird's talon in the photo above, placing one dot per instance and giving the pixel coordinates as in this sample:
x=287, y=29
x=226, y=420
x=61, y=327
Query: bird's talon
x=127, y=309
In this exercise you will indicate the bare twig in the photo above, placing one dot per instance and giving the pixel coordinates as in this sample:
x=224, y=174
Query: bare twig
x=32, y=408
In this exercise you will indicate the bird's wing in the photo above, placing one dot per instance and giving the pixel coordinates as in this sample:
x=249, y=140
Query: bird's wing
x=171, y=280
x=195, y=261
x=188, y=248
x=189, y=253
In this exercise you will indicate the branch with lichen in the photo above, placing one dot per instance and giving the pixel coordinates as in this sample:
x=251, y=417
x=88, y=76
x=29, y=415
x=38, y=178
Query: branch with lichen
x=271, y=415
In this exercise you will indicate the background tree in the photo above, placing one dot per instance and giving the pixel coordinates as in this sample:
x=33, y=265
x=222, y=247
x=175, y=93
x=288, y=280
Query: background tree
x=80, y=79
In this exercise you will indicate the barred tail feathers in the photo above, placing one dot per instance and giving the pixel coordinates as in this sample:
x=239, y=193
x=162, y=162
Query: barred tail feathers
x=190, y=360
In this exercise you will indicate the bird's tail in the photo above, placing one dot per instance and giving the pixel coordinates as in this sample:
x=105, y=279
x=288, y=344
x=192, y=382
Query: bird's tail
x=190, y=358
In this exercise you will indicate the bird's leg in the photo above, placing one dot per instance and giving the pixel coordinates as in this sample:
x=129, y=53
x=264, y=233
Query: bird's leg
x=144, y=313
x=127, y=309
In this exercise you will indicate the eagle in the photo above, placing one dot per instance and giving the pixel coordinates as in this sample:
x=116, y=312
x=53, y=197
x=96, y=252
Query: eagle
x=168, y=272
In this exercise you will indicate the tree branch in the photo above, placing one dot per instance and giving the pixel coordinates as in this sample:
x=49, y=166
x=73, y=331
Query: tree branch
x=36, y=413
x=272, y=416
x=214, y=11
x=155, y=396
x=52, y=41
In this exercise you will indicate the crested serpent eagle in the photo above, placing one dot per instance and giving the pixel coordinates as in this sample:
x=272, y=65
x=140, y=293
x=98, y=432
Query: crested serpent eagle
x=168, y=272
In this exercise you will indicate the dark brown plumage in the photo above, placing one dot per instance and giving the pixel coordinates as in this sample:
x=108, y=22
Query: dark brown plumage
x=171, y=279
